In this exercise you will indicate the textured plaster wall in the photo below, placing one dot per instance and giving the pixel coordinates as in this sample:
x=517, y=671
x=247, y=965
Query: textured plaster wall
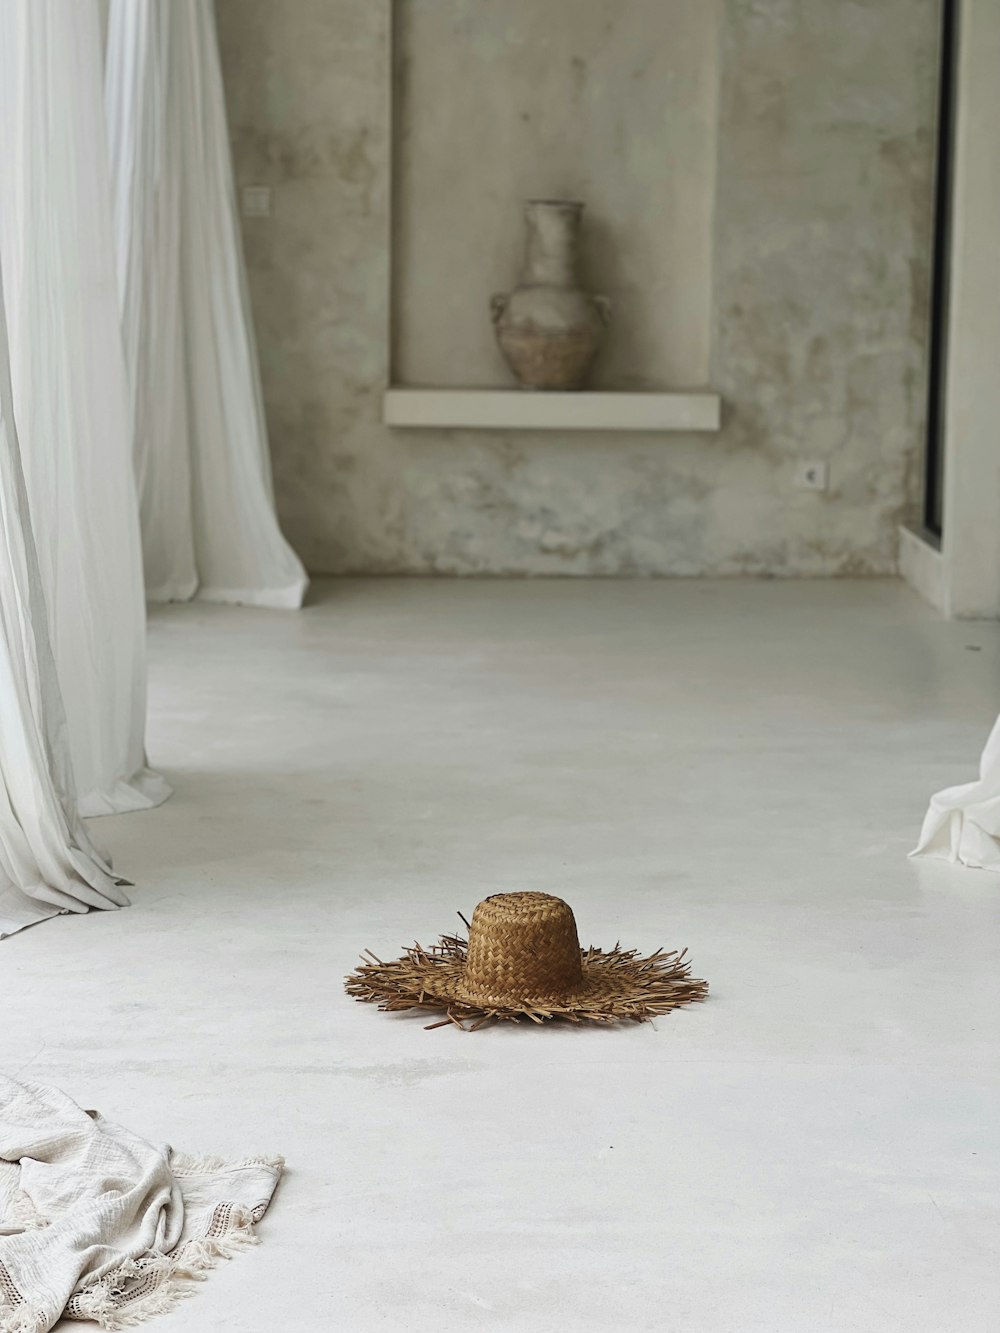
x=821, y=244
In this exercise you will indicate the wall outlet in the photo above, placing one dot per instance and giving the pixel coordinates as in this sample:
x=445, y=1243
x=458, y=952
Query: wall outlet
x=812, y=475
x=256, y=201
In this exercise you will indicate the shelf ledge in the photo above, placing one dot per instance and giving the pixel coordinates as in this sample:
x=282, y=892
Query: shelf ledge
x=519, y=409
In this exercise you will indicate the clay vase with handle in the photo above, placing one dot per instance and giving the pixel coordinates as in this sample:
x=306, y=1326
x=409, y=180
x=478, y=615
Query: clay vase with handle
x=549, y=329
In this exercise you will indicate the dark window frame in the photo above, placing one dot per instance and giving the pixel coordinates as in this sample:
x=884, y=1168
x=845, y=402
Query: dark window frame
x=934, y=458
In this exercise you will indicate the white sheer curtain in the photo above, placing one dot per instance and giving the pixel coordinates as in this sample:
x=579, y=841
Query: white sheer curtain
x=963, y=823
x=202, y=462
x=47, y=865
x=70, y=388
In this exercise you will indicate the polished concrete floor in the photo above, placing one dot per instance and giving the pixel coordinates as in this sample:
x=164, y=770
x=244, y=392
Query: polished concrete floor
x=739, y=768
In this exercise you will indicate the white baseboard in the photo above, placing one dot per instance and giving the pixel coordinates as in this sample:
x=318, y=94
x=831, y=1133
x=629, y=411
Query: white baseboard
x=921, y=565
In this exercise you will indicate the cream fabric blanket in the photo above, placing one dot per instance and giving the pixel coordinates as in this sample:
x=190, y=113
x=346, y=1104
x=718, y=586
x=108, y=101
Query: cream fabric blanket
x=96, y=1223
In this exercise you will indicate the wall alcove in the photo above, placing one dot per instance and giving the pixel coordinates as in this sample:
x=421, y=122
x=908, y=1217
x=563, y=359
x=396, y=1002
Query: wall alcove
x=553, y=100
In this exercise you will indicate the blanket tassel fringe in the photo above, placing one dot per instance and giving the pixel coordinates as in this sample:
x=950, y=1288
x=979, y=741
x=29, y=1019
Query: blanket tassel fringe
x=107, y=1302
x=19, y=1319
x=163, y=1281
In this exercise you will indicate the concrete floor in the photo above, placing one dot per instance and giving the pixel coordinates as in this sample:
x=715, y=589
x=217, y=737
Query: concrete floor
x=735, y=767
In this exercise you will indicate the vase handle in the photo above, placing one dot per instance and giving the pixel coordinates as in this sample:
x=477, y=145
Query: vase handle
x=603, y=307
x=498, y=304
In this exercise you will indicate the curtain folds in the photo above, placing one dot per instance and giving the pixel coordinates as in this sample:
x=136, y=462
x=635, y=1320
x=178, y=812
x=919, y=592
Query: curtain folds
x=200, y=438
x=47, y=864
x=962, y=823
x=70, y=389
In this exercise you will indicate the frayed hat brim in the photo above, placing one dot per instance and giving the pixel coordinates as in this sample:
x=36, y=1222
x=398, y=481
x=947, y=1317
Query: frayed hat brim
x=618, y=986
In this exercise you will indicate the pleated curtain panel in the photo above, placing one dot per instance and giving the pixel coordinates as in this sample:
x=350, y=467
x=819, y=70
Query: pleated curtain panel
x=205, y=491
x=47, y=863
x=129, y=387
x=70, y=390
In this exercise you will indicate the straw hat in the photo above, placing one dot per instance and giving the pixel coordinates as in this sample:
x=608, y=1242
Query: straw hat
x=523, y=960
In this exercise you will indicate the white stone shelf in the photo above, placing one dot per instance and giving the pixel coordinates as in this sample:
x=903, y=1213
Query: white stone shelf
x=518, y=409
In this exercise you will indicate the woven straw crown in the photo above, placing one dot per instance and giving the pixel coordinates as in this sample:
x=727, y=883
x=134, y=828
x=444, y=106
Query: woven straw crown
x=522, y=947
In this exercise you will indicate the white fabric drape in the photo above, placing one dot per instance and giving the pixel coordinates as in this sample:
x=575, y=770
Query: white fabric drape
x=202, y=461
x=963, y=823
x=47, y=865
x=70, y=388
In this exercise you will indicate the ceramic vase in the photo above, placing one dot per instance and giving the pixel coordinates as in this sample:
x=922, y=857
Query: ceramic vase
x=549, y=329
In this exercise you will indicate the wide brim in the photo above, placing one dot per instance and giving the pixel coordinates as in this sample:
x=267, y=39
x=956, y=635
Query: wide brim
x=618, y=986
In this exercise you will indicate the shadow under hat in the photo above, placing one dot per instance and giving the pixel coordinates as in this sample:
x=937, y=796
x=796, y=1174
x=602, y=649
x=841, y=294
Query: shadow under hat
x=522, y=961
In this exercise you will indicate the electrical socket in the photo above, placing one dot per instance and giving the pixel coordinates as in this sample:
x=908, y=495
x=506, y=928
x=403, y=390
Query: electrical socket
x=812, y=475
x=256, y=201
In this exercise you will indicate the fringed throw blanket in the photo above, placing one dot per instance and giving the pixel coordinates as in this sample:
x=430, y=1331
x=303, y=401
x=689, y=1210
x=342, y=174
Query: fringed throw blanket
x=97, y=1224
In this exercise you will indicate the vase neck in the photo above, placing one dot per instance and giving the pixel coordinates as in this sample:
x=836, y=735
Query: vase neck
x=551, y=256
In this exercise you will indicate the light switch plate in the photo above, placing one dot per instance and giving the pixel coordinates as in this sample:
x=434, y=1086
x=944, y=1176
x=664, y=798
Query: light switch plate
x=256, y=201
x=812, y=475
